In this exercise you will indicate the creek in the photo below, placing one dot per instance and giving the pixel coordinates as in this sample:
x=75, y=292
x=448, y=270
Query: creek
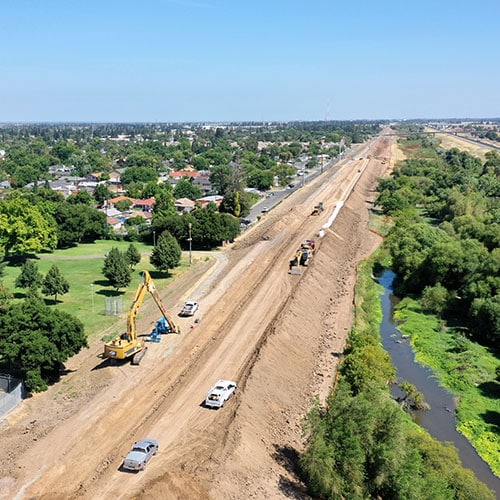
x=439, y=420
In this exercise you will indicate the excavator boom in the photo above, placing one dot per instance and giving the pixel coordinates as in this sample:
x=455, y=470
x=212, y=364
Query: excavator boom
x=128, y=345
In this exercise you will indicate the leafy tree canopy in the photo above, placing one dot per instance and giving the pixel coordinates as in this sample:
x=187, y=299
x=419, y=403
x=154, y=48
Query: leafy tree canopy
x=167, y=252
x=35, y=340
x=186, y=189
x=116, y=269
x=54, y=283
x=23, y=228
x=30, y=276
x=133, y=255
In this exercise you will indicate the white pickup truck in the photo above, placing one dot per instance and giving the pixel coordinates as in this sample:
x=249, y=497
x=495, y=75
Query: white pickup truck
x=189, y=308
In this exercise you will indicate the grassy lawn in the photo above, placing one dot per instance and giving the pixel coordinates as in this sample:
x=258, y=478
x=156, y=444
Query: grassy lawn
x=86, y=299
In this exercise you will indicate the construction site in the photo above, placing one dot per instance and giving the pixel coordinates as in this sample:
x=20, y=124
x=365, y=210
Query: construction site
x=275, y=312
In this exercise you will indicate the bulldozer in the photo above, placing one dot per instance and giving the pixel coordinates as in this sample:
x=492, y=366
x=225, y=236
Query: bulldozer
x=317, y=208
x=128, y=345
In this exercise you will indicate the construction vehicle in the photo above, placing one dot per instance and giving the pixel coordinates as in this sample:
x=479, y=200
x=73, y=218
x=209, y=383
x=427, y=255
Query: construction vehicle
x=160, y=328
x=302, y=256
x=128, y=345
x=318, y=208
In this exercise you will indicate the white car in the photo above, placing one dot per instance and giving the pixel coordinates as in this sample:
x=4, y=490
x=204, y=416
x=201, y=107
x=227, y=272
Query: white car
x=141, y=452
x=220, y=393
x=189, y=308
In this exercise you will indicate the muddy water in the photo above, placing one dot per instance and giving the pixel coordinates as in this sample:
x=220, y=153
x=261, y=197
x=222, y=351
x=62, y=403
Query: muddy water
x=440, y=419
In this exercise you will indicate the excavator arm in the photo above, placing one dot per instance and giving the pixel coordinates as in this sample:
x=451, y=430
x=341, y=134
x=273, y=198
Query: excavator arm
x=128, y=345
x=152, y=290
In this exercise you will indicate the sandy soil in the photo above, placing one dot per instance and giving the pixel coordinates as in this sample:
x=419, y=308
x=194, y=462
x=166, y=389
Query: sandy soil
x=278, y=335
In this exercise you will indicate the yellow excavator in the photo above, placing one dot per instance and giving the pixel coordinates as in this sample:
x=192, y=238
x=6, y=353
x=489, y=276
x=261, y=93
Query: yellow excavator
x=128, y=345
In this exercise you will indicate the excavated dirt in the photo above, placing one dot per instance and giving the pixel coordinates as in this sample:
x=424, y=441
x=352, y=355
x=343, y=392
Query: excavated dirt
x=278, y=335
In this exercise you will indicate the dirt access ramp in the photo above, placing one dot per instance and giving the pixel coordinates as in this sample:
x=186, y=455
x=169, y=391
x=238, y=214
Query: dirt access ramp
x=277, y=334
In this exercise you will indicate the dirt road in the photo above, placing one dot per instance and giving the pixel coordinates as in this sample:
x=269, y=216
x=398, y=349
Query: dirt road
x=278, y=335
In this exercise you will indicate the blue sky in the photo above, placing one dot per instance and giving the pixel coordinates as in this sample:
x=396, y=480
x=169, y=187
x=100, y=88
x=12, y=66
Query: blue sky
x=222, y=60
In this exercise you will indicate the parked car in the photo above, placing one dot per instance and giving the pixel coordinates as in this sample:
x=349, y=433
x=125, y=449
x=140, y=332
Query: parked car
x=140, y=453
x=189, y=308
x=220, y=393
x=265, y=209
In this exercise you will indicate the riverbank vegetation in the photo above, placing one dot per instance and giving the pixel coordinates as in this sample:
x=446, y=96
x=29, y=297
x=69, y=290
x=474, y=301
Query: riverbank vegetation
x=444, y=248
x=362, y=444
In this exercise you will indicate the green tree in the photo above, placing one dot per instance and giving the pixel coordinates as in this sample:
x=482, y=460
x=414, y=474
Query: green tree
x=231, y=203
x=35, y=340
x=167, y=253
x=434, y=298
x=80, y=198
x=25, y=228
x=77, y=223
x=260, y=179
x=143, y=160
x=63, y=150
x=133, y=255
x=54, y=283
x=24, y=175
x=485, y=316
x=102, y=193
x=220, y=178
x=164, y=202
x=5, y=297
x=138, y=174
x=123, y=205
x=186, y=189
x=413, y=398
x=367, y=365
x=30, y=276
x=116, y=269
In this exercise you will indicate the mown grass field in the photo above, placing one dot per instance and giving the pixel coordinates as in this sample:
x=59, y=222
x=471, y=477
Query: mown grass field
x=82, y=267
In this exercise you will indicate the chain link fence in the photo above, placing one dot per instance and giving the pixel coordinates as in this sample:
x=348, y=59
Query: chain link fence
x=113, y=306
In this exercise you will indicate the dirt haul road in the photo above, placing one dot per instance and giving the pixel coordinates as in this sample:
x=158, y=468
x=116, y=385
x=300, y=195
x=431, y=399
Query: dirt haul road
x=278, y=335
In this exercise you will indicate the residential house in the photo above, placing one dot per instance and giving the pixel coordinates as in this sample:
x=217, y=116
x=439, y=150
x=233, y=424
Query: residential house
x=217, y=199
x=143, y=205
x=175, y=177
x=184, y=205
x=202, y=181
x=117, y=225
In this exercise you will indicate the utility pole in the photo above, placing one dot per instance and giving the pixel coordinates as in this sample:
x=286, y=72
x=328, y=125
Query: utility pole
x=190, y=240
